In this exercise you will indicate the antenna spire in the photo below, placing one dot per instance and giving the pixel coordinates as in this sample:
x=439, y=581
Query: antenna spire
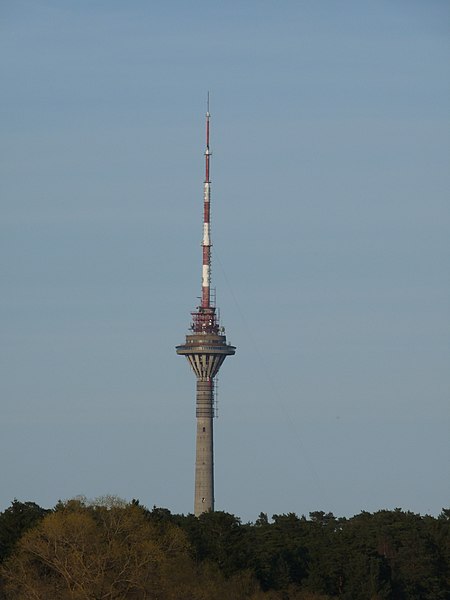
x=206, y=243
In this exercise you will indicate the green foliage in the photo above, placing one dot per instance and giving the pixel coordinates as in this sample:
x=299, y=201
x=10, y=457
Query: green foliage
x=220, y=538
x=15, y=521
x=280, y=554
x=113, y=549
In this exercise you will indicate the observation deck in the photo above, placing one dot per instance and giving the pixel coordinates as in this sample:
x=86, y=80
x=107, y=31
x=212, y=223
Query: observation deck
x=206, y=353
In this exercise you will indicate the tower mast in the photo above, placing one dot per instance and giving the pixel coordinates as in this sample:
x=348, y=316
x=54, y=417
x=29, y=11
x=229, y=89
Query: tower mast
x=205, y=348
x=206, y=243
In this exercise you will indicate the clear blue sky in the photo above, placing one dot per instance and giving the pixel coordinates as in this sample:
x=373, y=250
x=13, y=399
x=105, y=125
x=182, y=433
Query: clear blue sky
x=330, y=144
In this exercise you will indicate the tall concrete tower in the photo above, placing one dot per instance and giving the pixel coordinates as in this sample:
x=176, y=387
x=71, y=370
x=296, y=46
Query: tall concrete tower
x=206, y=348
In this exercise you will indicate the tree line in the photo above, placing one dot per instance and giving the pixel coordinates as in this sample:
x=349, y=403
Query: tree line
x=110, y=549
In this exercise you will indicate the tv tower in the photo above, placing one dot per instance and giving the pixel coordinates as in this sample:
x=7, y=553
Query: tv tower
x=206, y=348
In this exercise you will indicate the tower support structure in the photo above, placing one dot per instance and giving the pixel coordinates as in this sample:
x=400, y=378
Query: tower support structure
x=205, y=348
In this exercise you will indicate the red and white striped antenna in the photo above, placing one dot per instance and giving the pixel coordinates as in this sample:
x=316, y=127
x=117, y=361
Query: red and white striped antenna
x=205, y=318
x=206, y=243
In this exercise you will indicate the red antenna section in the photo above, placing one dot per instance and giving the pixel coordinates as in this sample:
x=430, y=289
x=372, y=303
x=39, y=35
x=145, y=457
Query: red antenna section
x=206, y=243
x=204, y=319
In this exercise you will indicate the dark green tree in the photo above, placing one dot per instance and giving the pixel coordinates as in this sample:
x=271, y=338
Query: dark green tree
x=14, y=521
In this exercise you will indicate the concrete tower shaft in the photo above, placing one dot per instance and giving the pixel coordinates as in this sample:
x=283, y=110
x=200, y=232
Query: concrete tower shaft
x=205, y=348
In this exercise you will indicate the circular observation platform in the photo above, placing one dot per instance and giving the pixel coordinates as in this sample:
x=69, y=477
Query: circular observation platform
x=206, y=353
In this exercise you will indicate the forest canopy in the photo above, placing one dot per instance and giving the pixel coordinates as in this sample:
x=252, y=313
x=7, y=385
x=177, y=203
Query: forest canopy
x=112, y=549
